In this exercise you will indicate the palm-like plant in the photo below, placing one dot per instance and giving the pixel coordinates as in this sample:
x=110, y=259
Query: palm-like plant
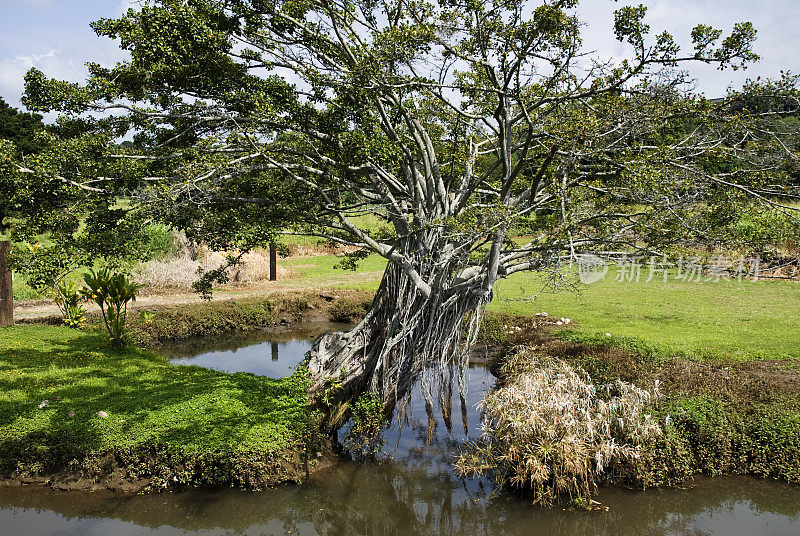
x=112, y=291
x=68, y=298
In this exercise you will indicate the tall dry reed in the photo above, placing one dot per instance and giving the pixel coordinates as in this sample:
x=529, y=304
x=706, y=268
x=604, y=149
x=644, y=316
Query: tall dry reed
x=550, y=431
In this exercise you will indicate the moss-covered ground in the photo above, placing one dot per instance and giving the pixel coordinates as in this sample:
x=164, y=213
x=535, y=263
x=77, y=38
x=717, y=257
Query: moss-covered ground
x=168, y=425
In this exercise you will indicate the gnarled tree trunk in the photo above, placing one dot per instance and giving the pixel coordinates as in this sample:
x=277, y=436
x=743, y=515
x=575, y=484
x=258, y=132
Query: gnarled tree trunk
x=404, y=333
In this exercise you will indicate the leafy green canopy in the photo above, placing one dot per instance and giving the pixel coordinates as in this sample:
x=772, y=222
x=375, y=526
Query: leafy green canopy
x=459, y=122
x=45, y=172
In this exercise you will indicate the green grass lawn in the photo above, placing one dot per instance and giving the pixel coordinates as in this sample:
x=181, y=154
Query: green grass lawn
x=322, y=269
x=706, y=319
x=232, y=428
x=744, y=320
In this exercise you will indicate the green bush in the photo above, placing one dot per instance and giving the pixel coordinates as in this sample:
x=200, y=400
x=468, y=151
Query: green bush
x=68, y=298
x=364, y=438
x=161, y=243
x=112, y=292
x=711, y=437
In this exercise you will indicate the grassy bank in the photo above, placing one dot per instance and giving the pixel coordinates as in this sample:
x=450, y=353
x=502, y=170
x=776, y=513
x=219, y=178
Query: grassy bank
x=179, y=322
x=561, y=423
x=165, y=426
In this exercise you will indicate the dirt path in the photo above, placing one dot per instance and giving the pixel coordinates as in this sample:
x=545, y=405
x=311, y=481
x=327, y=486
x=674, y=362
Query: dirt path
x=39, y=310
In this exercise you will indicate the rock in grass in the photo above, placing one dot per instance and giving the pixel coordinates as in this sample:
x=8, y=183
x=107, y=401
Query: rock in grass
x=102, y=414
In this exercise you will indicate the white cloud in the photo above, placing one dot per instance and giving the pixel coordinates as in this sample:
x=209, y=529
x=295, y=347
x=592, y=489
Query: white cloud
x=54, y=63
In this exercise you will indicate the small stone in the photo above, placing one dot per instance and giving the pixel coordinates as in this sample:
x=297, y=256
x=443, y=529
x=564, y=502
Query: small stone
x=44, y=404
x=102, y=414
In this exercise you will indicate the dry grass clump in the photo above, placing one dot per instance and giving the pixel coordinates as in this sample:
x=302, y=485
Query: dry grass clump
x=549, y=430
x=317, y=249
x=180, y=272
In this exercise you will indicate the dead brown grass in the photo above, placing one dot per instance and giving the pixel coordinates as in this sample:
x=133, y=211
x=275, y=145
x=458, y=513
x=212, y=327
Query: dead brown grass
x=183, y=271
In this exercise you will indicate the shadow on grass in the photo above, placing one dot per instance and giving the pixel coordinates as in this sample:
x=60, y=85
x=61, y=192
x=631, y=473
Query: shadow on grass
x=149, y=403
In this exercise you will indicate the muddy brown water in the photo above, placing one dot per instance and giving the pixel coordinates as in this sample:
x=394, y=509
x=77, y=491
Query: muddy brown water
x=409, y=490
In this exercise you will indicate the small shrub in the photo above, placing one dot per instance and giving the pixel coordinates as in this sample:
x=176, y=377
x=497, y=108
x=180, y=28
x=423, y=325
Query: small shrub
x=364, y=437
x=162, y=243
x=112, y=292
x=348, y=311
x=712, y=437
x=68, y=298
x=147, y=317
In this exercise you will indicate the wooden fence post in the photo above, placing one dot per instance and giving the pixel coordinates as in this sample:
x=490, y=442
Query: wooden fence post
x=273, y=262
x=6, y=287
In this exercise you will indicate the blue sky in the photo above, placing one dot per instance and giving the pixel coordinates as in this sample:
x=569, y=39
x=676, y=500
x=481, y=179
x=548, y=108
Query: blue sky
x=54, y=35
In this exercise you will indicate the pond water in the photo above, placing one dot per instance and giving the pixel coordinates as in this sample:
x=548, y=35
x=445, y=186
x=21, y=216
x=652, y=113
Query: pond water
x=274, y=354
x=410, y=490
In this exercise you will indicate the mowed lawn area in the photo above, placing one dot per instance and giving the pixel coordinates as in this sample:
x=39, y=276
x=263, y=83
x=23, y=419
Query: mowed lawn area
x=705, y=319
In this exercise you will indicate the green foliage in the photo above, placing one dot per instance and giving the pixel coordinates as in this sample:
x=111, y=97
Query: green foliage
x=68, y=298
x=346, y=310
x=713, y=437
x=172, y=425
x=76, y=316
x=763, y=229
x=147, y=317
x=364, y=438
x=46, y=266
x=20, y=128
x=112, y=292
x=333, y=389
x=230, y=153
x=161, y=243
